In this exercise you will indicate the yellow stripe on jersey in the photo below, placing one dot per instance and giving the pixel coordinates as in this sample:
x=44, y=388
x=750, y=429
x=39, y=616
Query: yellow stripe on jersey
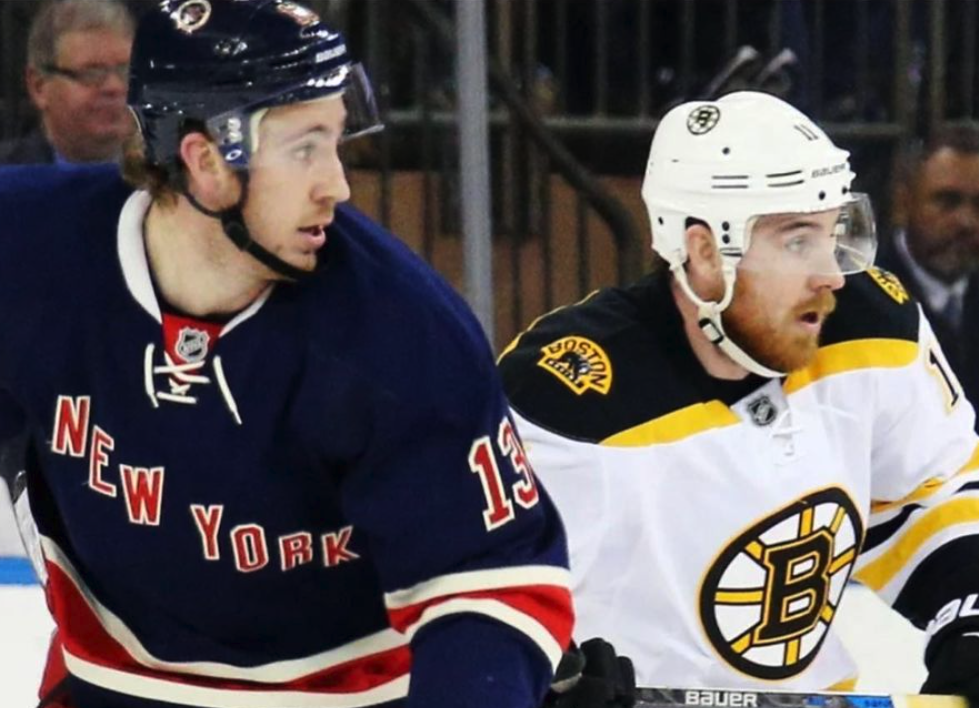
x=846, y=685
x=675, y=426
x=880, y=572
x=850, y=356
x=926, y=488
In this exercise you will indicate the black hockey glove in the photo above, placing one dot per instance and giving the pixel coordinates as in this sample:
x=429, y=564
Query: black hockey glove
x=592, y=676
x=953, y=666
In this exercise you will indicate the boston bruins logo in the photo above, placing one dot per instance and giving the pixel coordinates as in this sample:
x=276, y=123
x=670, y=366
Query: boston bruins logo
x=769, y=599
x=890, y=284
x=703, y=119
x=579, y=363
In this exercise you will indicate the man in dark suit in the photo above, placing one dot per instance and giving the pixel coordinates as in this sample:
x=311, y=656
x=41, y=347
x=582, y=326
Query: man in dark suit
x=935, y=250
x=77, y=75
x=77, y=69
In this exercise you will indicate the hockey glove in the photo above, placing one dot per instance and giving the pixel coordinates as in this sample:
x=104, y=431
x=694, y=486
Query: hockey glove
x=953, y=666
x=592, y=676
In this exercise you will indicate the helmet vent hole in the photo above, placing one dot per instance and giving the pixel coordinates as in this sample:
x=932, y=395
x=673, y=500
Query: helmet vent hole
x=659, y=220
x=846, y=190
x=822, y=195
x=785, y=179
x=726, y=238
x=726, y=226
x=726, y=151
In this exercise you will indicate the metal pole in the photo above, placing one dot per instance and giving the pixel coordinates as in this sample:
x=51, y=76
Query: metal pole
x=474, y=158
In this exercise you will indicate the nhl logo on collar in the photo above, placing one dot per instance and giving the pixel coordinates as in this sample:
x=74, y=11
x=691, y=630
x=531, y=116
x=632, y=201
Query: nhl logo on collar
x=192, y=344
x=763, y=412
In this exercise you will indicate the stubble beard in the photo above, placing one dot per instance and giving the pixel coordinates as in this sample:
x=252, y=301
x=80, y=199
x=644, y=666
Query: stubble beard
x=777, y=345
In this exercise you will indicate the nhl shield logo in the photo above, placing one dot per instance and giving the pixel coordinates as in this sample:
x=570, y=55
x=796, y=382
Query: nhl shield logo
x=192, y=344
x=763, y=411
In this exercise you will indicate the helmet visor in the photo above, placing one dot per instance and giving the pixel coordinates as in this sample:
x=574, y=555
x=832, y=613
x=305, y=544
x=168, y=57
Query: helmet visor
x=236, y=131
x=832, y=242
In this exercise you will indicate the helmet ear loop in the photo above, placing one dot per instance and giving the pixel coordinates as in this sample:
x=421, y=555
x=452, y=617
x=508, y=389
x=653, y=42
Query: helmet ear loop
x=233, y=224
x=709, y=311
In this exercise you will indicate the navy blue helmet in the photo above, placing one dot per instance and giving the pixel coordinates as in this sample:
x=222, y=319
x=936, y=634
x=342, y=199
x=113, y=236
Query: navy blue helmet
x=216, y=62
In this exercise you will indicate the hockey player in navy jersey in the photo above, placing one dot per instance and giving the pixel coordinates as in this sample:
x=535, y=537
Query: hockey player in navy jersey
x=761, y=419
x=271, y=462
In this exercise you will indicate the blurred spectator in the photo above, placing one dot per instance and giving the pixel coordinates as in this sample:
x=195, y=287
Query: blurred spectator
x=77, y=68
x=935, y=249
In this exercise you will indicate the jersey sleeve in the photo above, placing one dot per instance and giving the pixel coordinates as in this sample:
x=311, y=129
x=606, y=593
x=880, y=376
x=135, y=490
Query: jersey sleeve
x=921, y=550
x=463, y=536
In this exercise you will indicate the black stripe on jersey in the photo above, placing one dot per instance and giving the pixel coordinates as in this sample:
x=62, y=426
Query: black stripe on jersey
x=653, y=370
x=872, y=306
x=880, y=533
x=877, y=535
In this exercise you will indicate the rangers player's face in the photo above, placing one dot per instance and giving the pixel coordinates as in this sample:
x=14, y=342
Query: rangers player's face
x=297, y=179
x=784, y=289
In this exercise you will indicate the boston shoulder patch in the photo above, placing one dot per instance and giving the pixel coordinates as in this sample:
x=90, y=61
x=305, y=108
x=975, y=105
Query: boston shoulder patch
x=579, y=363
x=890, y=284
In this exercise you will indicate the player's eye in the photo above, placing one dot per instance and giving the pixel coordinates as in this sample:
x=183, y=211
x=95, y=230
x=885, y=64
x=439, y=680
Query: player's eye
x=304, y=152
x=797, y=244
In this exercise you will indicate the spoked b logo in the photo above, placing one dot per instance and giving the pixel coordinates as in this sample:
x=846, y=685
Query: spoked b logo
x=768, y=600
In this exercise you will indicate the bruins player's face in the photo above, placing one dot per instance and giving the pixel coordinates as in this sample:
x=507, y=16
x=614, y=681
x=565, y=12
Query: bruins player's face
x=297, y=179
x=784, y=289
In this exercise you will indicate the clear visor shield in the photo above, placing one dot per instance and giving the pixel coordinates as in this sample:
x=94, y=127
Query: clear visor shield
x=838, y=241
x=236, y=132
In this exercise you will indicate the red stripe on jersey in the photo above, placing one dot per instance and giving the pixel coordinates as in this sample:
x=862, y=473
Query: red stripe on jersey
x=84, y=636
x=550, y=605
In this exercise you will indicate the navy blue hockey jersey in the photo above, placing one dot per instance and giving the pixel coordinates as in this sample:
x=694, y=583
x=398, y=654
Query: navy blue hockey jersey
x=286, y=509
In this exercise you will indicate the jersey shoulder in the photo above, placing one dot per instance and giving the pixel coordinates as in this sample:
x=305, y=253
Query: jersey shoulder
x=405, y=329
x=57, y=215
x=614, y=361
x=873, y=305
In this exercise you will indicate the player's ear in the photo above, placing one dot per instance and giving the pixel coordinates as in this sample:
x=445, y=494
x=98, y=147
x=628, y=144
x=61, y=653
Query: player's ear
x=703, y=261
x=702, y=252
x=208, y=176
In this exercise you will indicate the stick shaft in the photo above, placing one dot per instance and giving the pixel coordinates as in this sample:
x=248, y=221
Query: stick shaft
x=717, y=698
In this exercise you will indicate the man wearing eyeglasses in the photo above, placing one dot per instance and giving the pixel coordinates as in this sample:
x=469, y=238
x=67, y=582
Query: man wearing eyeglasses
x=78, y=57
x=77, y=73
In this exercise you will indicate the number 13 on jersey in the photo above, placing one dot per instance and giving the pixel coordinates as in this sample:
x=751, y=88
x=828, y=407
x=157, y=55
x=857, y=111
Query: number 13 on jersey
x=483, y=462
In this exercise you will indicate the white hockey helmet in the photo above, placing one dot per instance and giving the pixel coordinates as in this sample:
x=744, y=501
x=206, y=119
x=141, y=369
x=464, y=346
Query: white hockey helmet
x=729, y=161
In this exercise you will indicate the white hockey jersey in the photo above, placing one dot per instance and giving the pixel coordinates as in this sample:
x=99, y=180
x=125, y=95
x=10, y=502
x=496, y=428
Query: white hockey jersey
x=714, y=524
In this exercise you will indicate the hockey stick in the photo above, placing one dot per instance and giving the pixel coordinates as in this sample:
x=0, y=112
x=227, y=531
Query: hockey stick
x=716, y=698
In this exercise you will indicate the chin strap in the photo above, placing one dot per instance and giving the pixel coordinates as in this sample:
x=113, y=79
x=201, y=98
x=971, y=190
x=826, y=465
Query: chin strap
x=709, y=319
x=233, y=224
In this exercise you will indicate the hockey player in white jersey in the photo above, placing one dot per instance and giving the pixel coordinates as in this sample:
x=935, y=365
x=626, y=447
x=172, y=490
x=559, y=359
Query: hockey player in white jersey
x=763, y=418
